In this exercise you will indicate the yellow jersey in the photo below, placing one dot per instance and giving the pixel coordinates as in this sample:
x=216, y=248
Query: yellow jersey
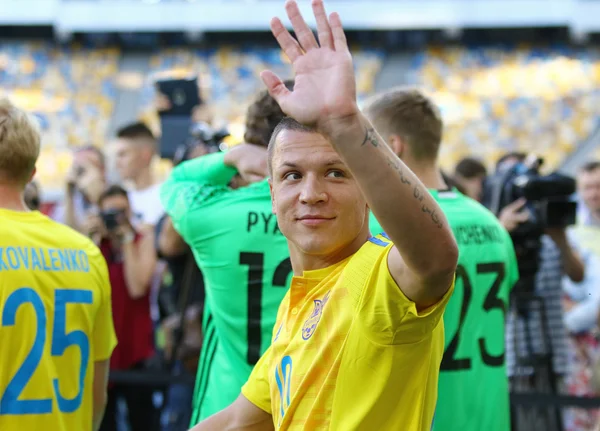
x=351, y=352
x=55, y=322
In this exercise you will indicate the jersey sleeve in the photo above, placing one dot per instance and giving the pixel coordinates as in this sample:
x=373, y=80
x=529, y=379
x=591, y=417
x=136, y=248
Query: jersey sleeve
x=389, y=316
x=256, y=389
x=193, y=183
x=104, y=338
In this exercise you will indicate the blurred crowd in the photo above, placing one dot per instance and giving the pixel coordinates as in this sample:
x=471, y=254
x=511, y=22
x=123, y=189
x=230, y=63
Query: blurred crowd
x=158, y=290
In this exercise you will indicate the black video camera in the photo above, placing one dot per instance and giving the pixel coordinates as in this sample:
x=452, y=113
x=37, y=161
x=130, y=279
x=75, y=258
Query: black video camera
x=548, y=197
x=548, y=201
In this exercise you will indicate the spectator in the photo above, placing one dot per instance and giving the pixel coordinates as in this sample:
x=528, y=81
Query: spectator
x=556, y=258
x=588, y=184
x=581, y=304
x=469, y=175
x=582, y=300
x=131, y=260
x=135, y=150
x=85, y=182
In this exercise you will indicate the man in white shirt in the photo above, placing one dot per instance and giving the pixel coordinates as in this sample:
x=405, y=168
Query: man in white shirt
x=135, y=149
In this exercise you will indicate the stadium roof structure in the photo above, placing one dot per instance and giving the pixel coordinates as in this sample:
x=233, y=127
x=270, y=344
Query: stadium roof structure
x=580, y=16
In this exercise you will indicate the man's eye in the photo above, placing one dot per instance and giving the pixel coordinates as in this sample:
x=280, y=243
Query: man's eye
x=336, y=174
x=292, y=176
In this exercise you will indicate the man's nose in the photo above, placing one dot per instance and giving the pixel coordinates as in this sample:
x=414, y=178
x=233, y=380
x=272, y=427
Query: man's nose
x=313, y=191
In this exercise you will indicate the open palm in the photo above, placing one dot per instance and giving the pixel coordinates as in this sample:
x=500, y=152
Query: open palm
x=325, y=86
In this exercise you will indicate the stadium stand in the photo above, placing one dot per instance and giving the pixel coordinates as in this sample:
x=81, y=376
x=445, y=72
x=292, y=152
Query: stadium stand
x=229, y=77
x=504, y=99
x=70, y=90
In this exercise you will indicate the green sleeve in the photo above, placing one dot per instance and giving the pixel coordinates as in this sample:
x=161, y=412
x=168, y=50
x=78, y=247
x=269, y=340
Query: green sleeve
x=194, y=182
x=209, y=169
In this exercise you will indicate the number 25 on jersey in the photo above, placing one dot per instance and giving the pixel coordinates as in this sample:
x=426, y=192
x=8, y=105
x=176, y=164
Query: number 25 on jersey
x=10, y=403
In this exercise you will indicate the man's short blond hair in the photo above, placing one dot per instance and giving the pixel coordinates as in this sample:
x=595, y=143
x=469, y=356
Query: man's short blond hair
x=19, y=144
x=411, y=115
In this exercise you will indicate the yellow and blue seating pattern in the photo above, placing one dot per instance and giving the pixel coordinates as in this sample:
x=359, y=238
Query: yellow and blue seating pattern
x=70, y=91
x=495, y=100
x=229, y=77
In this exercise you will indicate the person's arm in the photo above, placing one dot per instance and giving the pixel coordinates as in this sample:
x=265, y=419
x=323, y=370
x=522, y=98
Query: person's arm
x=424, y=258
x=139, y=262
x=242, y=415
x=69, y=215
x=103, y=340
x=571, y=261
x=101, y=369
x=191, y=183
x=581, y=316
x=251, y=410
x=208, y=169
x=170, y=243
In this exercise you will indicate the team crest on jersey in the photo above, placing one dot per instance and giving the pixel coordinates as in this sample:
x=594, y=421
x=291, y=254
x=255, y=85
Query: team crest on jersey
x=311, y=323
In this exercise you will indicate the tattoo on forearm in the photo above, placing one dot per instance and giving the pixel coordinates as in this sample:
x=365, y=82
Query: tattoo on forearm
x=418, y=193
x=371, y=138
x=434, y=216
x=394, y=164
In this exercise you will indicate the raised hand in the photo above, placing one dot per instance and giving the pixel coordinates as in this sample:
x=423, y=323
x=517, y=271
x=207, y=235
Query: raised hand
x=325, y=86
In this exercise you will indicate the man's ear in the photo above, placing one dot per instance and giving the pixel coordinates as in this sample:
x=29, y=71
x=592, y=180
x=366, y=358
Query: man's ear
x=397, y=144
x=273, y=206
x=32, y=174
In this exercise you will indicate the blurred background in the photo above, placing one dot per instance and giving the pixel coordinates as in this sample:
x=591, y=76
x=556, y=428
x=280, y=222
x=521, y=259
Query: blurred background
x=508, y=75
x=511, y=77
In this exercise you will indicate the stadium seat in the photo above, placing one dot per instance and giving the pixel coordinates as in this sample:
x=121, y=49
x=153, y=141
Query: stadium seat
x=496, y=100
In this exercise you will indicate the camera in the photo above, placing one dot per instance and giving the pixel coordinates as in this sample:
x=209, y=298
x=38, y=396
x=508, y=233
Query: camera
x=200, y=133
x=548, y=201
x=548, y=197
x=112, y=218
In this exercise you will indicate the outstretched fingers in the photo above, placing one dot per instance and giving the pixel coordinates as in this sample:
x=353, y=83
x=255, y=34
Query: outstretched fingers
x=287, y=43
x=323, y=28
x=339, y=37
x=276, y=88
x=303, y=32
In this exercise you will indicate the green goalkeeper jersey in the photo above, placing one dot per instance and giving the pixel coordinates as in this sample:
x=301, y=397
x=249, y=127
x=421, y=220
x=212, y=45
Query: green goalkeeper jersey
x=473, y=385
x=245, y=262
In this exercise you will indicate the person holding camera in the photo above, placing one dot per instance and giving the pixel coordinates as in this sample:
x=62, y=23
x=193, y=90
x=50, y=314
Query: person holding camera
x=85, y=182
x=131, y=260
x=537, y=352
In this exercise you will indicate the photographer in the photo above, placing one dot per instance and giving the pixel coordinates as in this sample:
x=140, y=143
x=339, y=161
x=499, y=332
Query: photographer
x=85, y=182
x=131, y=261
x=537, y=332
